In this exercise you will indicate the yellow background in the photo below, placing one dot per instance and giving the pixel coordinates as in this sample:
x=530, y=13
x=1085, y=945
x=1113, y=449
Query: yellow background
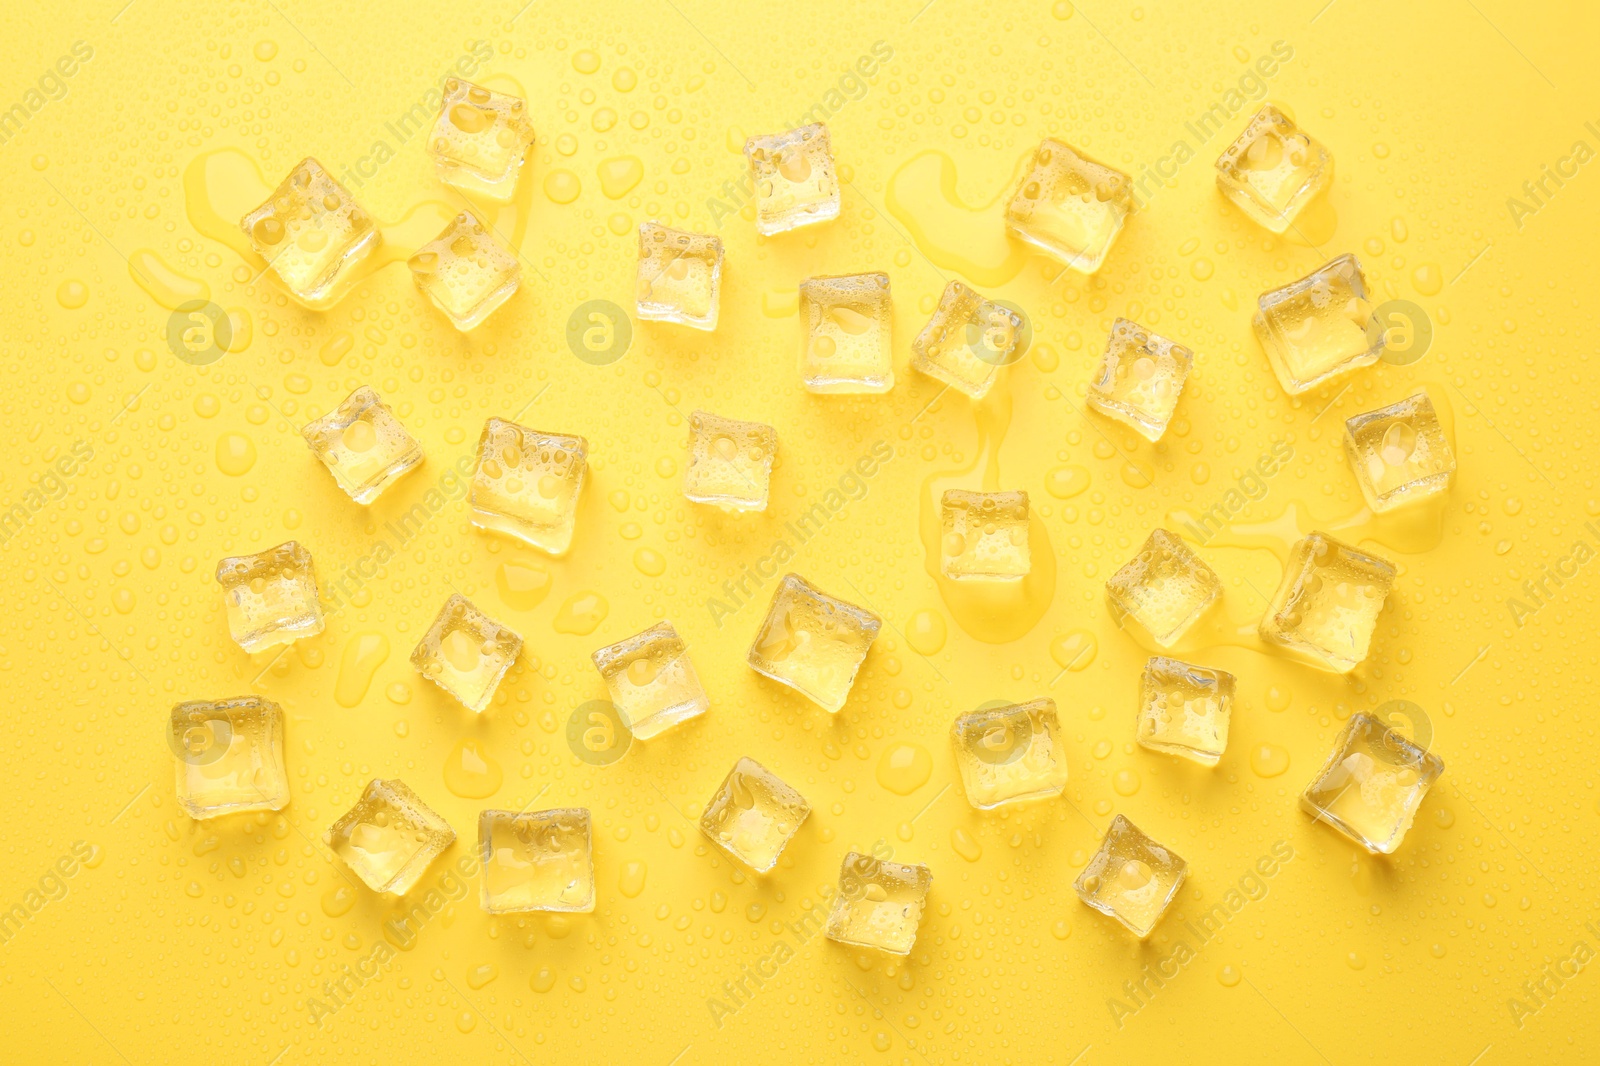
x=193, y=942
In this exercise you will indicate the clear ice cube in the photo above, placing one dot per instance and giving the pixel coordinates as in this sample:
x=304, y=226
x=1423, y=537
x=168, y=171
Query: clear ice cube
x=390, y=837
x=1399, y=453
x=363, y=445
x=1184, y=709
x=270, y=597
x=538, y=861
x=1316, y=329
x=1010, y=753
x=730, y=462
x=1131, y=878
x=466, y=653
x=1141, y=377
x=1273, y=169
x=651, y=680
x=229, y=756
x=879, y=904
x=480, y=140
x=1164, y=589
x=813, y=642
x=1326, y=608
x=680, y=276
x=753, y=815
x=846, y=334
x=967, y=341
x=1069, y=206
x=985, y=536
x=793, y=177
x=527, y=484
x=1372, y=784
x=313, y=235
x=465, y=272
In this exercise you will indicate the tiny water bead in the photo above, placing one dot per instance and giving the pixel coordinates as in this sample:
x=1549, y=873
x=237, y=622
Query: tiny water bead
x=1269, y=760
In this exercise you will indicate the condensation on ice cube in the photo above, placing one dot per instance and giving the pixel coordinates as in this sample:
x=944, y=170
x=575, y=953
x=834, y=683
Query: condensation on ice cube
x=466, y=653
x=846, y=334
x=813, y=642
x=1326, y=608
x=984, y=536
x=1372, y=784
x=1185, y=709
x=879, y=904
x=1010, y=753
x=1163, y=590
x=1318, y=328
x=313, y=235
x=1273, y=169
x=480, y=140
x=465, y=272
x=730, y=462
x=1141, y=377
x=652, y=681
x=1400, y=453
x=363, y=445
x=527, y=484
x=793, y=177
x=967, y=341
x=1131, y=877
x=390, y=837
x=536, y=861
x=270, y=597
x=753, y=815
x=229, y=756
x=679, y=276
x=1069, y=206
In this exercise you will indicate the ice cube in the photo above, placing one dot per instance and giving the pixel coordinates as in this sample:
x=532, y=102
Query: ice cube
x=1131, y=878
x=1399, y=453
x=538, y=861
x=527, y=484
x=879, y=904
x=1326, y=608
x=680, y=276
x=813, y=642
x=967, y=341
x=229, y=756
x=1164, y=589
x=313, y=235
x=1069, y=206
x=1372, y=784
x=1184, y=709
x=754, y=815
x=1315, y=329
x=363, y=445
x=793, y=177
x=730, y=462
x=1140, y=379
x=1010, y=753
x=480, y=140
x=390, y=837
x=466, y=653
x=465, y=272
x=846, y=333
x=1273, y=170
x=985, y=535
x=652, y=681
x=271, y=597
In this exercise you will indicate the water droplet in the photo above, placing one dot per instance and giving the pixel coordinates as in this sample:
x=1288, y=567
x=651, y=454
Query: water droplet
x=363, y=654
x=1075, y=650
x=1269, y=760
x=479, y=976
x=338, y=900
x=631, y=883
x=1228, y=975
x=581, y=614
x=926, y=631
x=236, y=454
x=905, y=767
x=72, y=294
x=470, y=772
x=523, y=582
x=964, y=845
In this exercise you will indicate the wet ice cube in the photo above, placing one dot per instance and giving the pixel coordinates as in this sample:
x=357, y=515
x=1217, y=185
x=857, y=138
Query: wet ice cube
x=229, y=756
x=466, y=653
x=879, y=904
x=270, y=597
x=1140, y=378
x=730, y=462
x=1399, y=453
x=967, y=341
x=1010, y=753
x=465, y=271
x=1326, y=608
x=1273, y=169
x=1372, y=784
x=813, y=642
x=1069, y=206
x=652, y=681
x=753, y=815
x=1316, y=328
x=1131, y=878
x=536, y=861
x=363, y=445
x=527, y=484
x=793, y=177
x=680, y=276
x=985, y=535
x=313, y=235
x=480, y=140
x=846, y=334
x=390, y=837
x=1164, y=589
x=1184, y=710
